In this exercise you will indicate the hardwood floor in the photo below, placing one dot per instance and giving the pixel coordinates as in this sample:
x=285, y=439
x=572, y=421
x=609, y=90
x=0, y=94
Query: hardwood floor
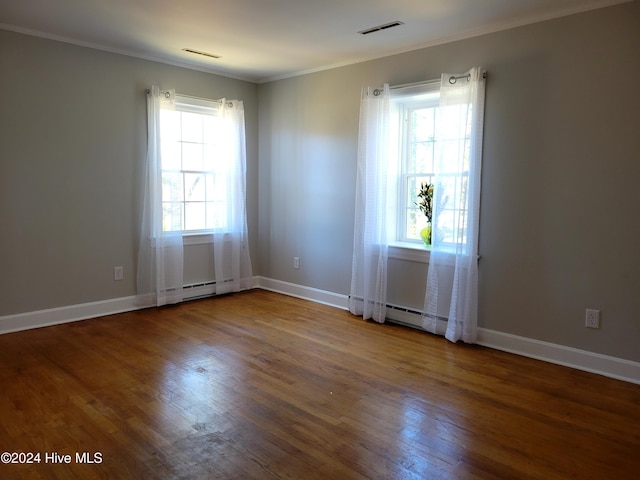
x=260, y=385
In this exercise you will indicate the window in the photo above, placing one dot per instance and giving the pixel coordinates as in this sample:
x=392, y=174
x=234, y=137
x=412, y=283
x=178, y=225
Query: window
x=194, y=190
x=403, y=139
x=194, y=187
x=416, y=118
x=428, y=139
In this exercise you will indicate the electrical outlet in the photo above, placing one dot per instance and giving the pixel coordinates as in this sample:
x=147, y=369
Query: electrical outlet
x=296, y=263
x=592, y=318
x=118, y=273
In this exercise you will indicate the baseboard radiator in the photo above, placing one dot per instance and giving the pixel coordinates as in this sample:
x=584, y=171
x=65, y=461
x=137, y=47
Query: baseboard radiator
x=194, y=291
x=410, y=317
x=404, y=315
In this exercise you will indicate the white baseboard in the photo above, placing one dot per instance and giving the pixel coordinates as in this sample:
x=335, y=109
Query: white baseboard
x=613, y=367
x=84, y=311
x=307, y=293
x=70, y=313
x=606, y=365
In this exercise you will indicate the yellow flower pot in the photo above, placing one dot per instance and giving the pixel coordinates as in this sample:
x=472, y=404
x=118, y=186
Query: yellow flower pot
x=425, y=235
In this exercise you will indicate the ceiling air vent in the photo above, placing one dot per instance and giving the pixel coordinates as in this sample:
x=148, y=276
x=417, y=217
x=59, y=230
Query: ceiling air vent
x=380, y=27
x=197, y=52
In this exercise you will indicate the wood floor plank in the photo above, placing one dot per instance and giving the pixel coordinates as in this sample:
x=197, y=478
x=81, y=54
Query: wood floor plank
x=265, y=386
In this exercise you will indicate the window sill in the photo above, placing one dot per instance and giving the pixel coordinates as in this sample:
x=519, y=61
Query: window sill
x=197, y=238
x=413, y=252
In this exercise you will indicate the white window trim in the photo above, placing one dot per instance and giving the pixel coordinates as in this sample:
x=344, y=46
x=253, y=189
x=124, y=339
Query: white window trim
x=189, y=238
x=412, y=252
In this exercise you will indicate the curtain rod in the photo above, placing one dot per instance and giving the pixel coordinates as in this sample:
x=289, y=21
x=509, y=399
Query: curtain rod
x=167, y=94
x=452, y=80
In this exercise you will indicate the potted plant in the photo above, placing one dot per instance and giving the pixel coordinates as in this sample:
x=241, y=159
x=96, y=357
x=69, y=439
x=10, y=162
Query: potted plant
x=426, y=206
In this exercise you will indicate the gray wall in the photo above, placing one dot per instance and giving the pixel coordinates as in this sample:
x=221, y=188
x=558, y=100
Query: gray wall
x=560, y=203
x=72, y=139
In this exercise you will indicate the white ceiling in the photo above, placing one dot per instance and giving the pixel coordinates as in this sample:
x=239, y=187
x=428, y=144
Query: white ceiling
x=261, y=40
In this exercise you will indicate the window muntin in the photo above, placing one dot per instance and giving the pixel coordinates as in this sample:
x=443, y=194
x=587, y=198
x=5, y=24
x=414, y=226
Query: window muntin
x=193, y=188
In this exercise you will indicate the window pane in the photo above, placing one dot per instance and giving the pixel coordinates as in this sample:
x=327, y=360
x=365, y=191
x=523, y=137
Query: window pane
x=450, y=152
x=172, y=216
x=445, y=226
x=191, y=127
x=423, y=158
x=412, y=192
x=216, y=204
x=422, y=123
x=218, y=191
x=192, y=156
x=171, y=155
x=172, y=187
x=170, y=125
x=413, y=188
x=210, y=125
x=467, y=153
x=209, y=157
x=194, y=216
x=217, y=214
x=209, y=186
x=415, y=219
x=194, y=185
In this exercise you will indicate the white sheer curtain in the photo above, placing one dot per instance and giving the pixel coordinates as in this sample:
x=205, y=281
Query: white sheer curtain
x=453, y=263
x=368, y=295
x=232, y=262
x=160, y=278
x=160, y=254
